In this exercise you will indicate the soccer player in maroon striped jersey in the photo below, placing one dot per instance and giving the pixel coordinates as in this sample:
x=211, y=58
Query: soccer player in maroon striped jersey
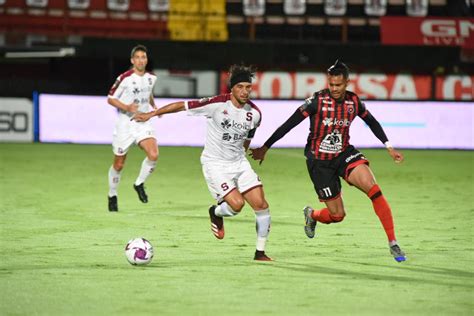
x=329, y=155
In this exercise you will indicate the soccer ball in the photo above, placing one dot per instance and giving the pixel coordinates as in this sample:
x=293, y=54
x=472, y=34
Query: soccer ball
x=139, y=251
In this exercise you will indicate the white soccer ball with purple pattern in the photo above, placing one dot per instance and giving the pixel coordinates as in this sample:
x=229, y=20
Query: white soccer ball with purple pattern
x=139, y=251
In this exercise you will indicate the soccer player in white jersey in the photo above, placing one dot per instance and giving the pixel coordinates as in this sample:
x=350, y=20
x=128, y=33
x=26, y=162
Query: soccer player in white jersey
x=132, y=93
x=231, y=123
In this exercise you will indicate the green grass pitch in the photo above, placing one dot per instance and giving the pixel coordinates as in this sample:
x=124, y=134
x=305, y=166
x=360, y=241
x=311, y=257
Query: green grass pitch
x=62, y=251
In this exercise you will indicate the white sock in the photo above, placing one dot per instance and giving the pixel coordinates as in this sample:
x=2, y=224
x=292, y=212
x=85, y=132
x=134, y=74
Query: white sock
x=224, y=210
x=392, y=243
x=147, y=168
x=114, y=179
x=263, y=220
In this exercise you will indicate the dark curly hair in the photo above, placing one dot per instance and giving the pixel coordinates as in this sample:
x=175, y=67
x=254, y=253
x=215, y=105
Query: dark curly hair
x=241, y=73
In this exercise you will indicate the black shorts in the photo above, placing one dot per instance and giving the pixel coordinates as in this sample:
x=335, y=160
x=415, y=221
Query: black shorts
x=325, y=173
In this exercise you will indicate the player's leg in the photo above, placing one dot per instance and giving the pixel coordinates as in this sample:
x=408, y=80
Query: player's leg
x=256, y=199
x=148, y=166
x=219, y=179
x=328, y=188
x=362, y=177
x=122, y=140
x=252, y=190
x=115, y=172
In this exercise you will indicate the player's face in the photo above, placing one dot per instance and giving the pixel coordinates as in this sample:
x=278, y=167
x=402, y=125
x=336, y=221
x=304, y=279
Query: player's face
x=139, y=61
x=337, y=86
x=241, y=92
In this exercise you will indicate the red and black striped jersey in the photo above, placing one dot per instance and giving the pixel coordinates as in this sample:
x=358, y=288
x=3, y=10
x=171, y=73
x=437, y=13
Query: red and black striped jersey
x=330, y=121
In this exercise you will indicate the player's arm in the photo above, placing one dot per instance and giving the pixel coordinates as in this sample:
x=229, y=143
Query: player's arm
x=152, y=102
x=247, y=144
x=378, y=131
x=280, y=132
x=169, y=108
x=132, y=108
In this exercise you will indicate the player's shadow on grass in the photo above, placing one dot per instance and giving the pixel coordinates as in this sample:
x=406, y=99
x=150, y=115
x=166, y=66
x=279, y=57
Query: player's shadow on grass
x=423, y=269
x=353, y=274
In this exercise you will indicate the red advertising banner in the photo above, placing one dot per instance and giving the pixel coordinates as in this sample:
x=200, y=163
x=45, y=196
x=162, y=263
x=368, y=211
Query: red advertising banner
x=455, y=87
x=427, y=31
x=301, y=85
x=379, y=86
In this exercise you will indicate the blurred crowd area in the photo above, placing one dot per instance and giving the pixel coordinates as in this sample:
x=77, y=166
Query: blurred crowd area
x=396, y=49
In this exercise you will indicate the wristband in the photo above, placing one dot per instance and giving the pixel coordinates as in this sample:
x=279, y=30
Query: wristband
x=388, y=145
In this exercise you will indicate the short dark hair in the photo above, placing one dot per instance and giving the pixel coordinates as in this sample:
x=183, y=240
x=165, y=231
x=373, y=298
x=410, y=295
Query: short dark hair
x=339, y=68
x=241, y=73
x=138, y=48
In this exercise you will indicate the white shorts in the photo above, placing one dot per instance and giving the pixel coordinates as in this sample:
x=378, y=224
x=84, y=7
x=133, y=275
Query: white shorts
x=127, y=132
x=223, y=177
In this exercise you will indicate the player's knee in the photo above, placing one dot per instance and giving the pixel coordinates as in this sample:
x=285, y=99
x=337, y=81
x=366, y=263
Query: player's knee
x=118, y=165
x=237, y=204
x=260, y=204
x=153, y=156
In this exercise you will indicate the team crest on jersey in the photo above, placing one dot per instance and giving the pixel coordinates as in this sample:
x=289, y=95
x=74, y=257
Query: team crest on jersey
x=350, y=106
x=136, y=91
x=225, y=112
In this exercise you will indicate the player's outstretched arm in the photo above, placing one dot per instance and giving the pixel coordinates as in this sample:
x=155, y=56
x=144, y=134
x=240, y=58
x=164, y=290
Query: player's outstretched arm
x=169, y=108
x=292, y=121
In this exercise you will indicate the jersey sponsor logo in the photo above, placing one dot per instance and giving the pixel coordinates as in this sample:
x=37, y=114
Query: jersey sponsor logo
x=136, y=90
x=226, y=136
x=226, y=123
x=229, y=137
x=332, y=143
x=330, y=122
x=352, y=157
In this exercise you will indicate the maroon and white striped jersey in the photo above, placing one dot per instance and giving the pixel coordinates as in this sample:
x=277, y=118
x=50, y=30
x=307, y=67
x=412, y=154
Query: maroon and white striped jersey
x=227, y=126
x=330, y=121
x=130, y=87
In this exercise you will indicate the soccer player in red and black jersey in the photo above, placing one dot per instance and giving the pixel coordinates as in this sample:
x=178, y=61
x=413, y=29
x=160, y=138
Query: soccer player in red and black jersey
x=329, y=155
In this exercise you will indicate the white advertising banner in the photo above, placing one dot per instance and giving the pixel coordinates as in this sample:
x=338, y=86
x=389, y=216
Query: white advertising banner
x=16, y=120
x=85, y=119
